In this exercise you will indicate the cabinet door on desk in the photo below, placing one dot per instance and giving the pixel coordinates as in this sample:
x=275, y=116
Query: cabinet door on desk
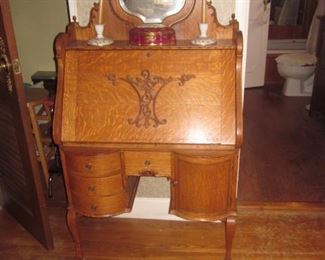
x=204, y=187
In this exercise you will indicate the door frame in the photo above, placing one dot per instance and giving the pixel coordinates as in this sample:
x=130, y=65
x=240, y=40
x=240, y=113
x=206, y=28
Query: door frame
x=242, y=14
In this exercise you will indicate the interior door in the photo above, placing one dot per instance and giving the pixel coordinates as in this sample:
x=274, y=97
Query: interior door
x=20, y=175
x=258, y=28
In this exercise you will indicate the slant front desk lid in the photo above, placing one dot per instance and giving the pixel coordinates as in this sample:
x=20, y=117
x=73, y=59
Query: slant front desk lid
x=179, y=96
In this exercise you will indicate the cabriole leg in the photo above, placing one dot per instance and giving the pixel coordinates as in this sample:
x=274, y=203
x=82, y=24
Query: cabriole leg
x=230, y=228
x=72, y=221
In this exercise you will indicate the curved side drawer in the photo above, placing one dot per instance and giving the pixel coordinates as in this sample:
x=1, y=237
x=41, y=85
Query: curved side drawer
x=93, y=164
x=100, y=206
x=96, y=186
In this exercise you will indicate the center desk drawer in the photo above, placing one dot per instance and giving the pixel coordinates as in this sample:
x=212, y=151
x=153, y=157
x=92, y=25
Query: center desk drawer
x=93, y=164
x=147, y=163
x=96, y=186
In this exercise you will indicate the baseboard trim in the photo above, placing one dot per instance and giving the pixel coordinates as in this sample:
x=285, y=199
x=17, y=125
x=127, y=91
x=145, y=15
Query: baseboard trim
x=151, y=208
x=315, y=206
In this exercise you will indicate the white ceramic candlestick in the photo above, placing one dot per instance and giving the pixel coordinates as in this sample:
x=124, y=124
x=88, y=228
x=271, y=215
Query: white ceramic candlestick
x=203, y=30
x=203, y=38
x=100, y=40
x=99, y=28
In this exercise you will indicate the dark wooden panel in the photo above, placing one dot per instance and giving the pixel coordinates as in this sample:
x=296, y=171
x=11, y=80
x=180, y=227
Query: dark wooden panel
x=20, y=173
x=318, y=97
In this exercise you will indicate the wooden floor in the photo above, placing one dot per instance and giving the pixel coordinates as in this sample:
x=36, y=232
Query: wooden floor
x=261, y=234
x=283, y=155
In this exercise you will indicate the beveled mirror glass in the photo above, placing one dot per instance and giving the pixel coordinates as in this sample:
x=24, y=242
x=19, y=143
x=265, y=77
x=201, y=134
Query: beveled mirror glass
x=152, y=11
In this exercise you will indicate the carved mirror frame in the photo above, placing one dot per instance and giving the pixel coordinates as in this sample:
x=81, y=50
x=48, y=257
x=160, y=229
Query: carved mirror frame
x=168, y=21
x=152, y=11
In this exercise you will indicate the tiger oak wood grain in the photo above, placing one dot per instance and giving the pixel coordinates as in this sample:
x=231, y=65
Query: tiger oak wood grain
x=100, y=206
x=97, y=186
x=142, y=163
x=203, y=187
x=196, y=102
x=128, y=111
x=93, y=163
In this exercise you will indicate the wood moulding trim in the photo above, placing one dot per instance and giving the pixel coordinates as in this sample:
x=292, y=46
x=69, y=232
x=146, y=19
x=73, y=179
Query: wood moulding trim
x=154, y=146
x=157, y=208
x=312, y=206
x=239, y=90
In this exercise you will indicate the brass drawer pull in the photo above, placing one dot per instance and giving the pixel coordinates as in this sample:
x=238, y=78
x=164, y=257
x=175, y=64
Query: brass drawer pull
x=93, y=207
x=147, y=162
x=91, y=188
x=147, y=173
x=88, y=166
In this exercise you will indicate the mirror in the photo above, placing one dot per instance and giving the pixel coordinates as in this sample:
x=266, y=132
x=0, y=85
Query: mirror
x=291, y=19
x=152, y=11
x=287, y=12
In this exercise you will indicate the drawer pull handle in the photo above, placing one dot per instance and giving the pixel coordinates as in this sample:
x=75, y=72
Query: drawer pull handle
x=147, y=162
x=93, y=207
x=91, y=188
x=148, y=173
x=174, y=183
x=88, y=166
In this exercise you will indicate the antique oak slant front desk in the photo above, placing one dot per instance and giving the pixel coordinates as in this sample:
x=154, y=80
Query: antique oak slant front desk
x=124, y=111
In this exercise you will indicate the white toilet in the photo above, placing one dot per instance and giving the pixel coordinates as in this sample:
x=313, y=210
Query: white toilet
x=298, y=68
x=298, y=71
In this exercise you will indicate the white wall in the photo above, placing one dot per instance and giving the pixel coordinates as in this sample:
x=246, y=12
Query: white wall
x=242, y=14
x=36, y=23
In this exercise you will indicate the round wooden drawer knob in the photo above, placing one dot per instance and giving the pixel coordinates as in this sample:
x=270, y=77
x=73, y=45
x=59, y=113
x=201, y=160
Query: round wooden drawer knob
x=88, y=166
x=91, y=188
x=93, y=207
